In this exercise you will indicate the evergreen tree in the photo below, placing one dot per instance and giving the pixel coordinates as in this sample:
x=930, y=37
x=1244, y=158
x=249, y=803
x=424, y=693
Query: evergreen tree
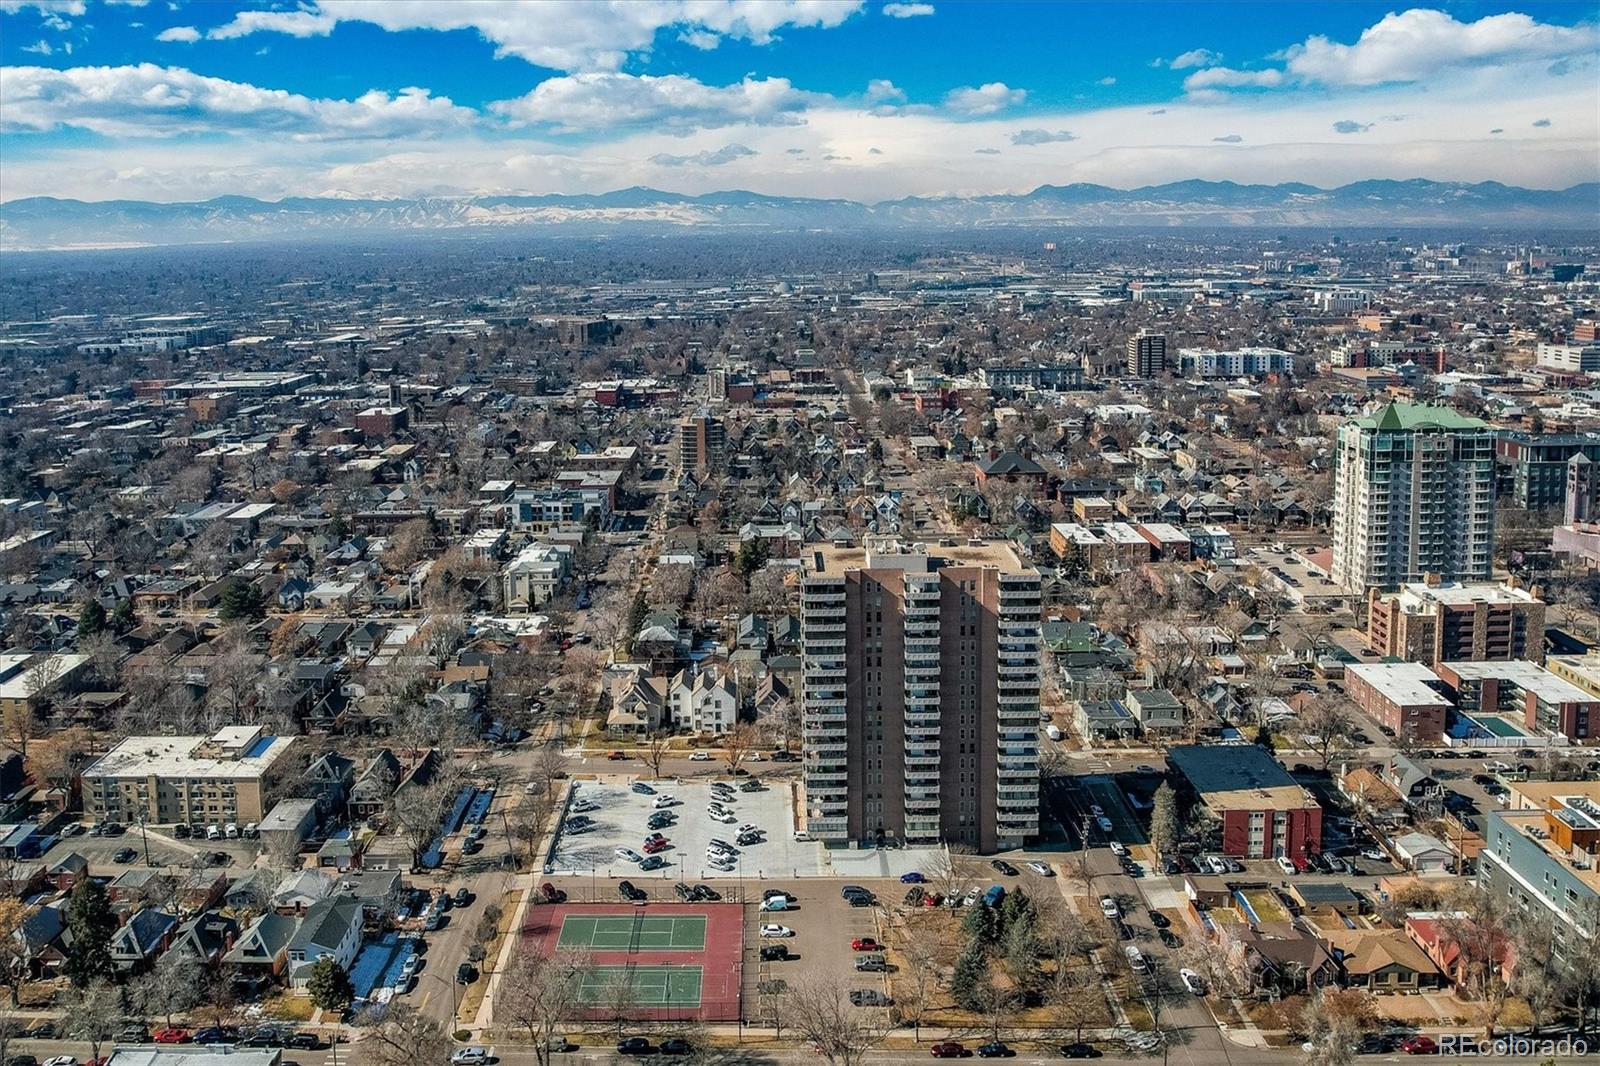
x=1164, y=827
x=970, y=975
x=91, y=618
x=122, y=616
x=1264, y=736
x=241, y=602
x=981, y=924
x=90, y=923
x=329, y=986
x=752, y=556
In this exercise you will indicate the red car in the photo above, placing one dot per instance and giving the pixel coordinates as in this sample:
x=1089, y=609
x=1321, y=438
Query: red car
x=170, y=1036
x=865, y=943
x=1300, y=865
x=614, y=755
x=1419, y=1045
x=653, y=846
x=948, y=1049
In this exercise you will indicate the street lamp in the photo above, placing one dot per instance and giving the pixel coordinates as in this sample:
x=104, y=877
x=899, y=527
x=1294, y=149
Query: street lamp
x=143, y=839
x=455, y=999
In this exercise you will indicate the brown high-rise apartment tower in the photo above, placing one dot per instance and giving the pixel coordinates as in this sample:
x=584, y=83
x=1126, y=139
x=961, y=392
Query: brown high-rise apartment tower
x=921, y=694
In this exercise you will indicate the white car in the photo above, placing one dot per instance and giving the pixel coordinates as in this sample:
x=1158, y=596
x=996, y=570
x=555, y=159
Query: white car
x=1219, y=867
x=720, y=865
x=1105, y=824
x=700, y=756
x=1286, y=866
x=1192, y=982
x=1117, y=849
x=776, y=903
x=1109, y=908
x=1096, y=810
x=772, y=929
x=629, y=855
x=1374, y=855
x=409, y=969
x=469, y=1056
x=971, y=898
x=725, y=818
x=62, y=1060
x=749, y=827
x=664, y=801
x=1042, y=869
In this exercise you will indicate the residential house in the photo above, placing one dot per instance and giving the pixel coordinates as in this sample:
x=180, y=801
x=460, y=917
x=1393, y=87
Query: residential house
x=141, y=938
x=205, y=938
x=703, y=702
x=331, y=928
x=1382, y=960
x=261, y=953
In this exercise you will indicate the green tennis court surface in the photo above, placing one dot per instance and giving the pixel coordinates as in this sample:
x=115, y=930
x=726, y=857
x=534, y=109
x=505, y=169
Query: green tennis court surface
x=635, y=932
x=642, y=986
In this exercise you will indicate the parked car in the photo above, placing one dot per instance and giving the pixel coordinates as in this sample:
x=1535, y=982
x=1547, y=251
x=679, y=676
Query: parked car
x=995, y=1049
x=124, y=855
x=1002, y=867
x=1169, y=938
x=872, y=962
x=211, y=1035
x=1157, y=919
x=948, y=1049
x=776, y=903
x=774, y=952
x=865, y=943
x=469, y=1056
x=171, y=1036
x=552, y=894
x=1192, y=982
x=707, y=894
x=1286, y=865
x=1043, y=869
x=869, y=997
x=633, y=894
x=642, y=789
x=1109, y=908
x=700, y=756
x=676, y=1046
x=466, y=973
x=773, y=929
x=1079, y=1050
x=304, y=1042
x=635, y=1045
x=913, y=878
x=1419, y=1045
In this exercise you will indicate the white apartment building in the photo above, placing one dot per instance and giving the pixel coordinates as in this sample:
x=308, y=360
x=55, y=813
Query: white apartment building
x=1413, y=494
x=1571, y=358
x=1240, y=363
x=537, y=574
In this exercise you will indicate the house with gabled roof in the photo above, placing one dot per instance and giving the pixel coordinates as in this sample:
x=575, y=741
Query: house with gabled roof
x=141, y=938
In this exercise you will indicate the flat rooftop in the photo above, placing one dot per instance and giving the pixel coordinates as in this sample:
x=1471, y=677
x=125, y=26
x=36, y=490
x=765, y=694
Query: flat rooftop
x=1233, y=777
x=918, y=557
x=1403, y=684
x=1530, y=677
x=189, y=756
x=1416, y=595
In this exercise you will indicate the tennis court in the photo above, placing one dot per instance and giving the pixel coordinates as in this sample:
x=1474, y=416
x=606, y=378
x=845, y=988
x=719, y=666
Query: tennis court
x=646, y=986
x=635, y=933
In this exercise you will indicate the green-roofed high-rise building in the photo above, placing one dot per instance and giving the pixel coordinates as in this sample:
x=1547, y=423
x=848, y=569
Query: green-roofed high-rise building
x=1413, y=494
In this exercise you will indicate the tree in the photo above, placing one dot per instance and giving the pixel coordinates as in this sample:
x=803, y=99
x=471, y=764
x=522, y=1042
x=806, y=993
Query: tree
x=417, y=813
x=1334, y=1021
x=953, y=871
x=1478, y=932
x=122, y=616
x=970, y=975
x=1538, y=978
x=13, y=946
x=618, y=997
x=752, y=556
x=916, y=984
x=737, y=745
x=94, y=1019
x=655, y=750
x=242, y=602
x=1328, y=727
x=329, y=986
x=995, y=1002
x=539, y=992
x=397, y=1034
x=1165, y=828
x=91, y=619
x=823, y=1016
x=177, y=984
x=91, y=924
x=784, y=717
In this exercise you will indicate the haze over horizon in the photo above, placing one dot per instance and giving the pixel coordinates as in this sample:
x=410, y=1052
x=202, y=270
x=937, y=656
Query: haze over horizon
x=814, y=98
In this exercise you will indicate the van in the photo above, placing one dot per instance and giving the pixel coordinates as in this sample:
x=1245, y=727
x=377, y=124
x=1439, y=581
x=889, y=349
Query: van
x=872, y=962
x=1052, y=731
x=252, y=831
x=1136, y=959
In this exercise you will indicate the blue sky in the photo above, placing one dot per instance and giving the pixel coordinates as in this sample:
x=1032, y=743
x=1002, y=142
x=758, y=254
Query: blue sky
x=865, y=99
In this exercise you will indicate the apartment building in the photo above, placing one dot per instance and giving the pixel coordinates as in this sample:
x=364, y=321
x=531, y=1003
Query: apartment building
x=1538, y=464
x=1252, y=362
x=698, y=442
x=1413, y=494
x=1407, y=699
x=1264, y=813
x=194, y=779
x=921, y=694
x=1432, y=621
x=1147, y=354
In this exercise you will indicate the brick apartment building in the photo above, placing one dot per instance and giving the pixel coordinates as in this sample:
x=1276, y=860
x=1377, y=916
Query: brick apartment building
x=1433, y=621
x=1264, y=813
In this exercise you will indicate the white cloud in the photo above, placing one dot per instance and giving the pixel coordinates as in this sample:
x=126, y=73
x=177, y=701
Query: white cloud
x=44, y=7
x=41, y=47
x=1229, y=78
x=1107, y=80
x=721, y=156
x=1413, y=45
x=985, y=99
x=568, y=35
x=179, y=33
x=1032, y=137
x=602, y=101
x=153, y=101
x=704, y=40
x=883, y=91
x=1196, y=57
x=907, y=11
x=306, y=22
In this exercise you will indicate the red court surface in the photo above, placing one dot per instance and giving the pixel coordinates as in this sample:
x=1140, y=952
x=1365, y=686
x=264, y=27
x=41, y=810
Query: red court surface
x=682, y=961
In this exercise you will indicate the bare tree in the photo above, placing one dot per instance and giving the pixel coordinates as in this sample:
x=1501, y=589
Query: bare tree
x=14, y=950
x=95, y=1017
x=175, y=985
x=784, y=718
x=1334, y=1021
x=954, y=871
x=918, y=982
x=539, y=992
x=1328, y=726
x=821, y=1012
x=397, y=1034
x=654, y=752
x=417, y=814
x=1478, y=932
x=1538, y=978
x=618, y=997
x=670, y=585
x=737, y=744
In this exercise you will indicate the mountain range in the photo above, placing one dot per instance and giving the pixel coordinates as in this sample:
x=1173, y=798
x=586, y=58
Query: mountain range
x=50, y=223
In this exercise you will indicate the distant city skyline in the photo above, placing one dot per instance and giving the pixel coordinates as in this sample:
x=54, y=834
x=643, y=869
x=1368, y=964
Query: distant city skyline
x=821, y=98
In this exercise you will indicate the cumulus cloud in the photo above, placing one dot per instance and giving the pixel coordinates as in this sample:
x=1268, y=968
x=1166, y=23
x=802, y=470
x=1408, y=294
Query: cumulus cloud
x=881, y=92
x=1195, y=57
x=154, y=101
x=40, y=47
x=1230, y=78
x=44, y=7
x=1028, y=137
x=1229, y=138
x=1411, y=45
x=985, y=99
x=186, y=34
x=719, y=157
x=566, y=35
x=599, y=101
x=704, y=40
x=907, y=11
x=1350, y=125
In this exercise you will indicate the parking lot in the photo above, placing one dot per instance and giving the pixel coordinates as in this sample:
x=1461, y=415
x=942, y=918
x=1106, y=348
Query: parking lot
x=620, y=821
x=165, y=852
x=824, y=926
